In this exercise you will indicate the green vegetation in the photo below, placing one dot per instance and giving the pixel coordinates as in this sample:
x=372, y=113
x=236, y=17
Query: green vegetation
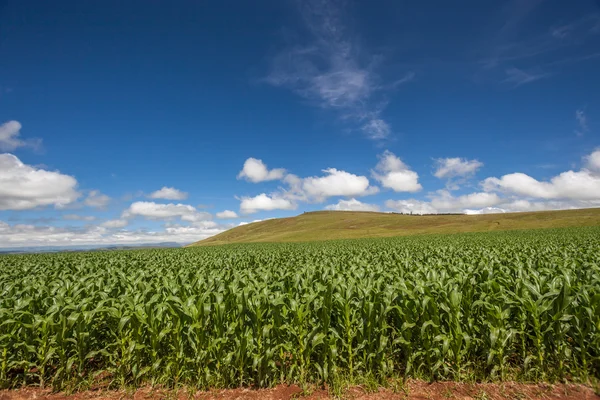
x=328, y=225
x=519, y=305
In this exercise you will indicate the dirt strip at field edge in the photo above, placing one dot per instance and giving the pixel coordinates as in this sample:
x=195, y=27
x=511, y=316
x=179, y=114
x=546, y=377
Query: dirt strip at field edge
x=412, y=390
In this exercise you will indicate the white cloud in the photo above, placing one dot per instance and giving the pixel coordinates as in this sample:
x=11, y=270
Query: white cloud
x=263, y=202
x=592, y=161
x=580, y=185
x=250, y=222
x=582, y=123
x=334, y=71
x=9, y=137
x=447, y=168
x=169, y=193
x=486, y=210
x=75, y=217
x=204, y=224
x=193, y=232
x=24, y=187
x=294, y=190
x=443, y=201
x=521, y=205
x=226, y=214
x=310, y=189
x=568, y=190
x=392, y=173
x=410, y=206
x=151, y=210
x=115, y=223
x=255, y=170
x=468, y=204
x=336, y=183
x=352, y=205
x=96, y=199
x=21, y=235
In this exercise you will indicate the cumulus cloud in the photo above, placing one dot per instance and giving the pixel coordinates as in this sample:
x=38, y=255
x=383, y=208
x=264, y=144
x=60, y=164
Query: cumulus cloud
x=25, y=187
x=75, y=217
x=468, y=204
x=169, y=193
x=444, y=201
x=333, y=71
x=352, y=205
x=151, y=210
x=226, y=214
x=310, y=189
x=447, y=168
x=336, y=183
x=580, y=185
x=115, y=223
x=9, y=137
x=592, y=161
x=392, y=173
x=264, y=202
x=517, y=192
x=583, y=185
x=96, y=199
x=255, y=170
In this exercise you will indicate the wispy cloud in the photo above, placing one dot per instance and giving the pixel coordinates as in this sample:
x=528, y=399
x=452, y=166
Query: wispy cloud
x=561, y=32
x=582, y=123
x=584, y=26
x=76, y=217
x=376, y=128
x=527, y=55
x=96, y=199
x=334, y=71
x=10, y=140
x=518, y=77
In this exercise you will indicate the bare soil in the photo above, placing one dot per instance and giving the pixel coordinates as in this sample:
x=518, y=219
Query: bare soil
x=411, y=390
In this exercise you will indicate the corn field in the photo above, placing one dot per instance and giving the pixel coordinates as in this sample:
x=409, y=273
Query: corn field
x=515, y=305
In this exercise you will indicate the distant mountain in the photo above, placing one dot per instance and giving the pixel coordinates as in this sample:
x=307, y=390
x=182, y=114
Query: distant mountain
x=108, y=247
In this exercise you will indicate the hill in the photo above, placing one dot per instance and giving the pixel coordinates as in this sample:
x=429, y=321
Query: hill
x=329, y=225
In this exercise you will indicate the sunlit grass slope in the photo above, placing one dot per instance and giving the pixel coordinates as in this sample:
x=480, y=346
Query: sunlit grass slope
x=329, y=225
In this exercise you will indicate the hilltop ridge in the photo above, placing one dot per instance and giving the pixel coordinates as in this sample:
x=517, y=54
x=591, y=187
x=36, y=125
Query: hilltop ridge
x=330, y=225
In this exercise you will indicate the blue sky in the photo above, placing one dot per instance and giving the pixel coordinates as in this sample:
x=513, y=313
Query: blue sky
x=136, y=122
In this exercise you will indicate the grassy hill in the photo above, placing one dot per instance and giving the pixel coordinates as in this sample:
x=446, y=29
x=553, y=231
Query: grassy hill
x=328, y=225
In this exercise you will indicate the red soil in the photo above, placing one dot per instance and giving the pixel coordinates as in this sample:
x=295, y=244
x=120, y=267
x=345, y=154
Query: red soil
x=412, y=390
